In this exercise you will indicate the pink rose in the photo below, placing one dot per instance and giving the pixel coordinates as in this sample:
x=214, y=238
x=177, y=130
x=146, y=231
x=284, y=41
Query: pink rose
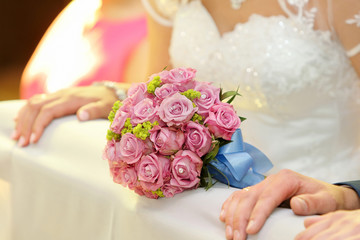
x=197, y=138
x=163, y=76
x=127, y=106
x=186, y=169
x=150, y=195
x=138, y=189
x=148, y=146
x=209, y=97
x=110, y=151
x=176, y=110
x=137, y=93
x=130, y=148
x=137, y=88
x=167, y=140
x=222, y=121
x=166, y=167
x=119, y=121
x=151, y=171
x=170, y=191
x=127, y=177
x=165, y=90
x=144, y=111
x=183, y=78
x=116, y=171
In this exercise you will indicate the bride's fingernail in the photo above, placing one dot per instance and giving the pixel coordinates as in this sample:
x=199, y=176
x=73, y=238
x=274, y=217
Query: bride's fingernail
x=32, y=138
x=83, y=115
x=237, y=235
x=21, y=141
x=222, y=214
x=14, y=135
x=229, y=232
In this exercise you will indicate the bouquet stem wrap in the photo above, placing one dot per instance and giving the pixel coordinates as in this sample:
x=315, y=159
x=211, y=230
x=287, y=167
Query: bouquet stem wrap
x=239, y=164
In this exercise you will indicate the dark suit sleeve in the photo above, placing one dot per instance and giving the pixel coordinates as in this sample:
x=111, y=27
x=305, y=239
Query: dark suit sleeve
x=353, y=184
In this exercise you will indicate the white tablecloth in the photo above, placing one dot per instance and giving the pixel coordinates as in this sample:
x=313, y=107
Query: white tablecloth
x=60, y=188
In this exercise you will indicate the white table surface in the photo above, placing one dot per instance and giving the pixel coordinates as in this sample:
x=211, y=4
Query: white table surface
x=61, y=189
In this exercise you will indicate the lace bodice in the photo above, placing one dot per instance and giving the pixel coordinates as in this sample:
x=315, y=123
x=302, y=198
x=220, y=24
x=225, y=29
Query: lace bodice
x=301, y=95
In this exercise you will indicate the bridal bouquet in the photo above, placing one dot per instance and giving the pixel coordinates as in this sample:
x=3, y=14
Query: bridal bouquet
x=174, y=133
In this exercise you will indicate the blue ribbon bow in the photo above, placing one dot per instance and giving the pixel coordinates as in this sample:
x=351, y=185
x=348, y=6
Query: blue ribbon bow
x=241, y=163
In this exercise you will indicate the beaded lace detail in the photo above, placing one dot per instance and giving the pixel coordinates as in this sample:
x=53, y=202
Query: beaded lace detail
x=236, y=4
x=305, y=16
x=355, y=20
x=272, y=63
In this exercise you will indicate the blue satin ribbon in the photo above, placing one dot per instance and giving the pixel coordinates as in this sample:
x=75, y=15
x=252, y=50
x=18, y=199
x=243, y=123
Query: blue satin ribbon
x=241, y=163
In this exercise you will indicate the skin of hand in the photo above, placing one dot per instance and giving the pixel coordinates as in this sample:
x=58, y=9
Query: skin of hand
x=341, y=225
x=87, y=103
x=246, y=211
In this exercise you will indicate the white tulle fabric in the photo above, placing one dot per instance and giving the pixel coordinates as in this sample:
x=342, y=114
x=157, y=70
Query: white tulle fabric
x=301, y=96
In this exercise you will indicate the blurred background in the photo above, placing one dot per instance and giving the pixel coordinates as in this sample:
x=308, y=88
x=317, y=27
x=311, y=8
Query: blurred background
x=22, y=24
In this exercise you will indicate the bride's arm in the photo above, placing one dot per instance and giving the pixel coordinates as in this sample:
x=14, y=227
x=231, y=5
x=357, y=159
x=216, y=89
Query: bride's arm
x=345, y=16
x=159, y=36
x=88, y=103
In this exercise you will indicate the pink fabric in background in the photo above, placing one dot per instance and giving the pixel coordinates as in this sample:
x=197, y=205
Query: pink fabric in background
x=115, y=41
x=118, y=41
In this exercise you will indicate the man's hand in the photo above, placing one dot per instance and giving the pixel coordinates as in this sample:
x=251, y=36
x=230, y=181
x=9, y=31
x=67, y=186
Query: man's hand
x=246, y=211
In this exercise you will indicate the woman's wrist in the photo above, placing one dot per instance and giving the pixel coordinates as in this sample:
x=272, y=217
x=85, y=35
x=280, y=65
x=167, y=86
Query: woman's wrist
x=119, y=91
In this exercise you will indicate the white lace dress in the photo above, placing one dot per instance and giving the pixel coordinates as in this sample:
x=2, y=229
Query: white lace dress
x=301, y=95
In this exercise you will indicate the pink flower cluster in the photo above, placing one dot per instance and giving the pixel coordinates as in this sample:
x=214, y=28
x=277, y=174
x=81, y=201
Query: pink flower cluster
x=160, y=133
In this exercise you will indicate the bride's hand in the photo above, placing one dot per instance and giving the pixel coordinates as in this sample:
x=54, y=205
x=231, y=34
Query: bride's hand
x=336, y=225
x=246, y=211
x=87, y=102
